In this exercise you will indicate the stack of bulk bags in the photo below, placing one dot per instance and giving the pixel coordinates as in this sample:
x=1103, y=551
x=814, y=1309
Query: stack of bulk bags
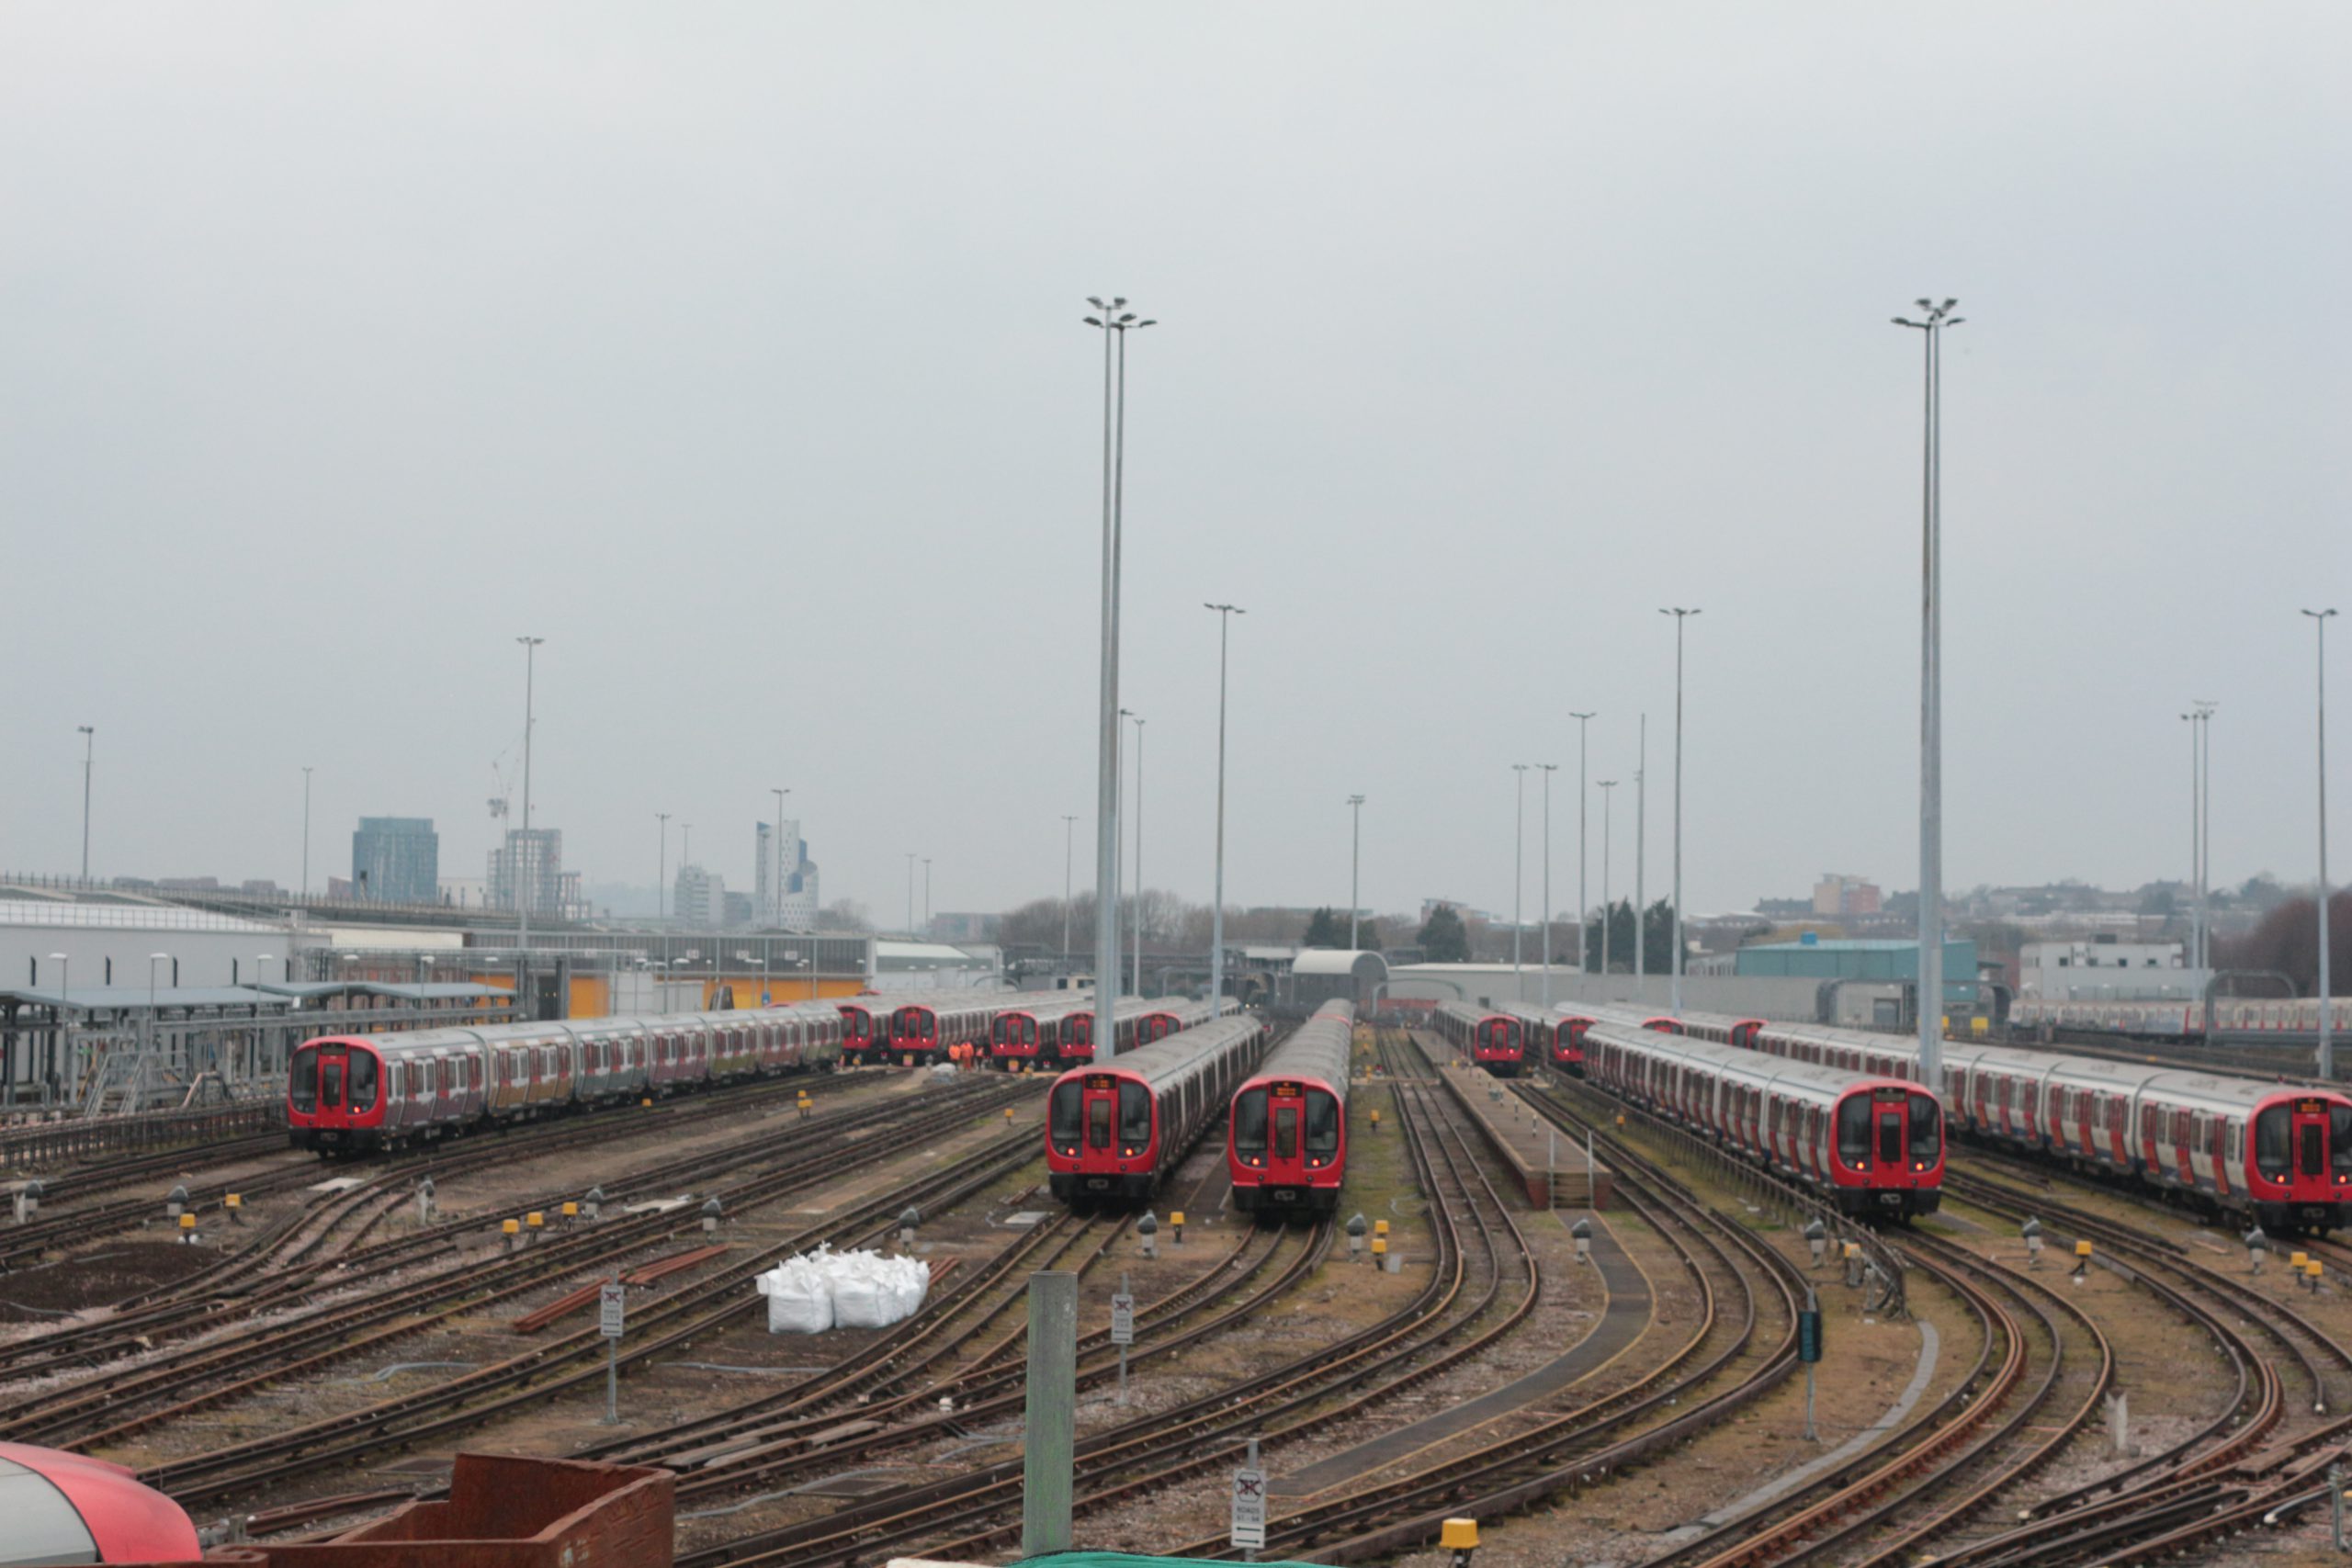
x=825, y=1289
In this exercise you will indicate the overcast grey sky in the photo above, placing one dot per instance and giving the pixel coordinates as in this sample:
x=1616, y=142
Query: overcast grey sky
x=735, y=350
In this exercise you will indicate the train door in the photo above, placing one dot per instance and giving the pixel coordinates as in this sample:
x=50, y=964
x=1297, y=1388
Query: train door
x=1890, y=1117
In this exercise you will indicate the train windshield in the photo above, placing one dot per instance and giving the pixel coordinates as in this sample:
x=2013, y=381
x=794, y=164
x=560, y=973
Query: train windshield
x=363, y=1081
x=1135, y=1114
x=2271, y=1139
x=2339, y=1139
x=331, y=1083
x=1249, y=1124
x=1926, y=1130
x=1322, y=1122
x=1854, y=1130
x=1066, y=1113
x=302, y=1081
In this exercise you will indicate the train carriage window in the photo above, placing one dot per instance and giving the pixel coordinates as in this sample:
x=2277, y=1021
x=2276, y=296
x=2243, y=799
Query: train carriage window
x=2237, y=1142
x=1135, y=1115
x=2272, y=1134
x=1322, y=1122
x=1854, y=1130
x=302, y=1079
x=1249, y=1124
x=363, y=1081
x=1926, y=1130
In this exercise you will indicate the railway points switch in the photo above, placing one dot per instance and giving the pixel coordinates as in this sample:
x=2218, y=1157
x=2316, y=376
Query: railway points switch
x=1148, y=1232
x=1176, y=1223
x=1357, y=1229
x=1459, y=1537
x=2082, y=1261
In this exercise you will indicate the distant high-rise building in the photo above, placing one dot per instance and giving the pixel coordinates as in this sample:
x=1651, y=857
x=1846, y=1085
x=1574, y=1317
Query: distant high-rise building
x=700, y=899
x=530, y=867
x=792, y=904
x=738, y=911
x=396, y=860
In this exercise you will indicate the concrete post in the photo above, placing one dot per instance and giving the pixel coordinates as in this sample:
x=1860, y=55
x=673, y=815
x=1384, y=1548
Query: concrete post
x=1050, y=1414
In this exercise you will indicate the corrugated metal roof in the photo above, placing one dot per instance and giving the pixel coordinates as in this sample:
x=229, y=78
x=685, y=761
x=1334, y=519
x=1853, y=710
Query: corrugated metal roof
x=124, y=916
x=108, y=998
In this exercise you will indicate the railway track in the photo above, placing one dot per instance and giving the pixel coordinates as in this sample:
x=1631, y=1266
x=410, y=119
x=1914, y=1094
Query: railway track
x=1426, y=1335
x=118, y=1405
x=575, y=1359
x=285, y=1262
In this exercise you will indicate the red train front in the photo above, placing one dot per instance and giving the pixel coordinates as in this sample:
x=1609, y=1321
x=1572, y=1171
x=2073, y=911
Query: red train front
x=1496, y=1041
x=335, y=1096
x=861, y=1034
x=1286, y=1141
x=1024, y=1037
x=1567, y=1043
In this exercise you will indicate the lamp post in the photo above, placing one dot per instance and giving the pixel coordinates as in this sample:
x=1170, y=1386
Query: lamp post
x=1355, y=865
x=1114, y=319
x=911, y=858
x=1549, y=769
x=1224, y=613
x=89, y=733
x=525, y=892
x=153, y=1034
x=57, y=1036
x=306, y=835
x=1517, y=869
x=1931, y=697
x=2326, y=990
x=2205, y=832
x=1608, y=911
x=1641, y=850
x=778, y=911
x=1070, y=828
x=926, y=895
x=1584, y=910
x=1137, y=988
x=1681, y=614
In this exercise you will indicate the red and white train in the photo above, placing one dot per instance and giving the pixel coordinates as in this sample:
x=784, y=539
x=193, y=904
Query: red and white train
x=1286, y=1145
x=2280, y=1154
x=2291, y=1020
x=351, y=1092
x=1495, y=1038
x=1115, y=1129
x=1061, y=1030
x=1871, y=1141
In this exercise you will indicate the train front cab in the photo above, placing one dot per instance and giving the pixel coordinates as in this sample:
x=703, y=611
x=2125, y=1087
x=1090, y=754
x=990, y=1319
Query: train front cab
x=1154, y=1027
x=1887, y=1141
x=1016, y=1039
x=1495, y=1044
x=335, y=1096
x=1101, y=1137
x=1286, y=1147
x=860, y=1033
x=1568, y=1043
x=2299, y=1177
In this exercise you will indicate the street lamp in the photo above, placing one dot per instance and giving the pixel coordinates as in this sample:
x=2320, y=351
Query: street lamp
x=1518, y=870
x=911, y=858
x=306, y=835
x=1608, y=911
x=1931, y=696
x=1584, y=910
x=1070, y=827
x=1114, y=319
x=2326, y=990
x=1130, y=713
x=1549, y=769
x=1224, y=613
x=778, y=912
x=926, y=895
x=1641, y=850
x=1681, y=614
x=524, y=894
x=2200, y=720
x=1355, y=865
x=89, y=734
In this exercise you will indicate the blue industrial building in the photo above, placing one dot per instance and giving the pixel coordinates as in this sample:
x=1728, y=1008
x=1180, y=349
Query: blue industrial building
x=1885, y=960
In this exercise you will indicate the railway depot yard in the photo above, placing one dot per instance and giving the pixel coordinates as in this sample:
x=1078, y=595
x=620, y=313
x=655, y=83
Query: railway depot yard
x=1621, y=1385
